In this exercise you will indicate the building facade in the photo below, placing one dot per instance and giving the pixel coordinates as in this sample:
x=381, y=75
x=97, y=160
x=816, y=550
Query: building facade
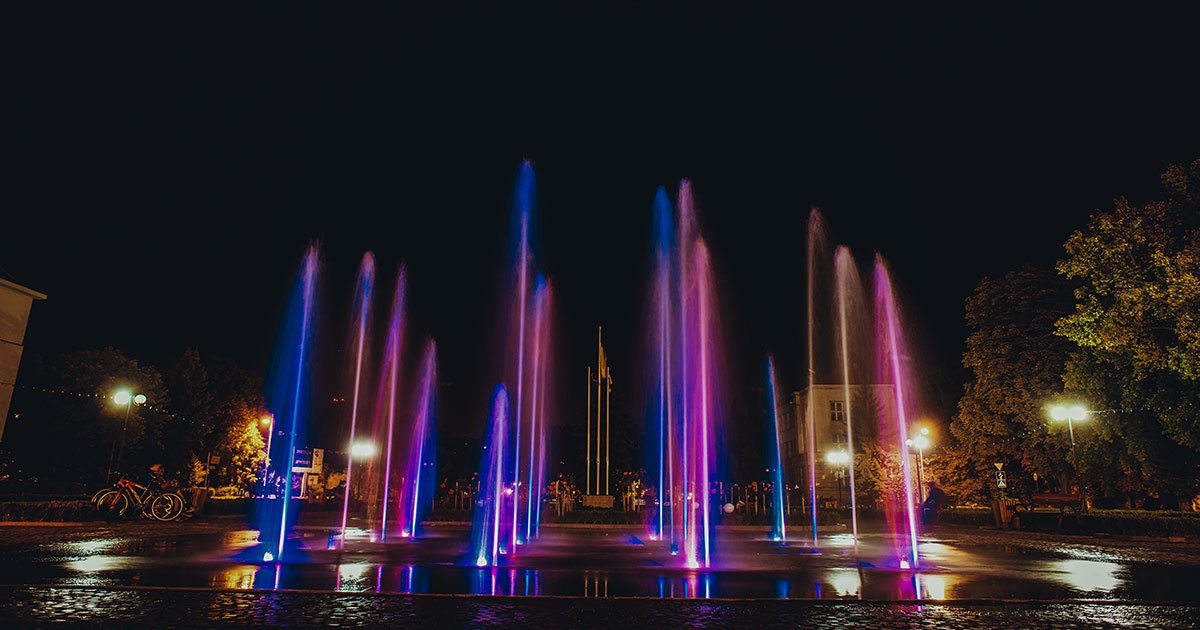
x=868, y=407
x=15, y=302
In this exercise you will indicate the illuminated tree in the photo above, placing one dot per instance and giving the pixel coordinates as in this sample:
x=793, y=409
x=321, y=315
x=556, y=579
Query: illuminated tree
x=1016, y=362
x=1137, y=317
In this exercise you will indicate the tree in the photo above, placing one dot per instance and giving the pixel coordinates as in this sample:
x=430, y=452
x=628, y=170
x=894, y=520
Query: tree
x=193, y=410
x=1139, y=273
x=230, y=423
x=1138, y=304
x=866, y=411
x=77, y=431
x=1136, y=326
x=1016, y=362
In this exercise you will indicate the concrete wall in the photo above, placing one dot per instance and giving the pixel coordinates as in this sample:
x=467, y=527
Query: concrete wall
x=15, y=302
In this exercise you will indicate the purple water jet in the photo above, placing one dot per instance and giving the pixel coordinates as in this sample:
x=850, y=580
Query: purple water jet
x=685, y=381
x=362, y=295
x=848, y=288
x=891, y=352
x=486, y=532
x=391, y=372
x=418, y=476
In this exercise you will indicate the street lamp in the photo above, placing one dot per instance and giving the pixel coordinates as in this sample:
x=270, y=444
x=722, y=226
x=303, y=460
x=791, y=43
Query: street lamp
x=361, y=450
x=839, y=459
x=269, y=421
x=1071, y=413
x=122, y=397
x=920, y=442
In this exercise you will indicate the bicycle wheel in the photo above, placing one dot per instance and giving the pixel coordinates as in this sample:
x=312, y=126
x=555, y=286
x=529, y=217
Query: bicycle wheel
x=113, y=504
x=99, y=493
x=167, y=506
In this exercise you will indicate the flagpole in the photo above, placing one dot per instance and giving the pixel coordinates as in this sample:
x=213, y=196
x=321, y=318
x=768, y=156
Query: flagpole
x=607, y=425
x=588, y=419
x=599, y=379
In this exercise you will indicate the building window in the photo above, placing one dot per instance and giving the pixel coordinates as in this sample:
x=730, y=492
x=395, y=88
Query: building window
x=789, y=420
x=837, y=421
x=837, y=411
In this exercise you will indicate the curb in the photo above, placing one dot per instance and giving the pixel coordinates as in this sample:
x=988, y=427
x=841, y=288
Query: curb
x=46, y=523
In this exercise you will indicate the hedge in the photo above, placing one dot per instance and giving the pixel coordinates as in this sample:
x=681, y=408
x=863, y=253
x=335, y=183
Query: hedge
x=47, y=511
x=1116, y=522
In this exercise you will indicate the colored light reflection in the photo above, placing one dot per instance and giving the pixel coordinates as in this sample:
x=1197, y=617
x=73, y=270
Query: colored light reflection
x=239, y=576
x=1086, y=575
x=846, y=582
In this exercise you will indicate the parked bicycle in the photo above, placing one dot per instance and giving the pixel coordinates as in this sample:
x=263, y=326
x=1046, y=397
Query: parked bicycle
x=127, y=495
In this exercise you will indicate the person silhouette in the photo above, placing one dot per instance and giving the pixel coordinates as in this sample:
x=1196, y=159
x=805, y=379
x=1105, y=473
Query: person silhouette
x=935, y=500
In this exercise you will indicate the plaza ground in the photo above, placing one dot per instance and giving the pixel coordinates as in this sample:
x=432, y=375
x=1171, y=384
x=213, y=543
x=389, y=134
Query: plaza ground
x=182, y=575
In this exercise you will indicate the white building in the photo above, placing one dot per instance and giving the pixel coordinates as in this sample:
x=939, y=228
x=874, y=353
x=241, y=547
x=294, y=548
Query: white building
x=868, y=405
x=15, y=302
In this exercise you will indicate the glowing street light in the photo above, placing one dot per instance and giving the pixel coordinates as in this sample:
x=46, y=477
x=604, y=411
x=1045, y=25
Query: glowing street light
x=122, y=397
x=1071, y=413
x=362, y=450
x=920, y=442
x=839, y=459
x=268, y=421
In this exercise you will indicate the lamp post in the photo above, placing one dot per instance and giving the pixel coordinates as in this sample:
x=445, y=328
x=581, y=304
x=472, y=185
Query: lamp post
x=921, y=442
x=839, y=459
x=1071, y=413
x=361, y=451
x=268, y=420
x=122, y=397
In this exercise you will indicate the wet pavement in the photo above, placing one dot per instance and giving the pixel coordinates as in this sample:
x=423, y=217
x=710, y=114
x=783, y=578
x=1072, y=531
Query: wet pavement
x=186, y=608
x=204, y=573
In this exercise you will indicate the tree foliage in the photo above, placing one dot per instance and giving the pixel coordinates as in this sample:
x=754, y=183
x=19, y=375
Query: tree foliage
x=1136, y=326
x=1138, y=268
x=75, y=428
x=1016, y=362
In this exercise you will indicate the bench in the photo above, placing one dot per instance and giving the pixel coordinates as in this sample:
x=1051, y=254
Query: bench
x=1066, y=503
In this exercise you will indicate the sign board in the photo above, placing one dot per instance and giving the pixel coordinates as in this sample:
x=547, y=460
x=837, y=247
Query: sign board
x=308, y=460
x=214, y=459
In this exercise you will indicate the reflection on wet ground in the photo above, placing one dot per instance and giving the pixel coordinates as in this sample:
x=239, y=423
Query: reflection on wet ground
x=201, y=608
x=606, y=563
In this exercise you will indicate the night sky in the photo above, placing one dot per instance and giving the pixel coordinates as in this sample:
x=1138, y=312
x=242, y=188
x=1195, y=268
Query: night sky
x=167, y=171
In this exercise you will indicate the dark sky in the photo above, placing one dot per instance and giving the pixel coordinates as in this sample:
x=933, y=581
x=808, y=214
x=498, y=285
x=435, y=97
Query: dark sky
x=167, y=170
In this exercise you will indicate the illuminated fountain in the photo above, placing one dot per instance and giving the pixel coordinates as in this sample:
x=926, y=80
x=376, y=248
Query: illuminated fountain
x=815, y=252
x=487, y=532
x=362, y=309
x=774, y=457
x=390, y=387
x=892, y=351
x=850, y=311
x=514, y=496
x=686, y=383
x=844, y=315
x=287, y=397
x=416, y=486
x=396, y=409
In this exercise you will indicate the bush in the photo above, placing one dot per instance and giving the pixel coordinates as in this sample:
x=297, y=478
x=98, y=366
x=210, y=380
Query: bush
x=229, y=492
x=218, y=506
x=47, y=511
x=595, y=517
x=967, y=516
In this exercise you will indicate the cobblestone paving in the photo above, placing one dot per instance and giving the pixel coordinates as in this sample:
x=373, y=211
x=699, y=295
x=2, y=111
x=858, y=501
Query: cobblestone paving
x=188, y=608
